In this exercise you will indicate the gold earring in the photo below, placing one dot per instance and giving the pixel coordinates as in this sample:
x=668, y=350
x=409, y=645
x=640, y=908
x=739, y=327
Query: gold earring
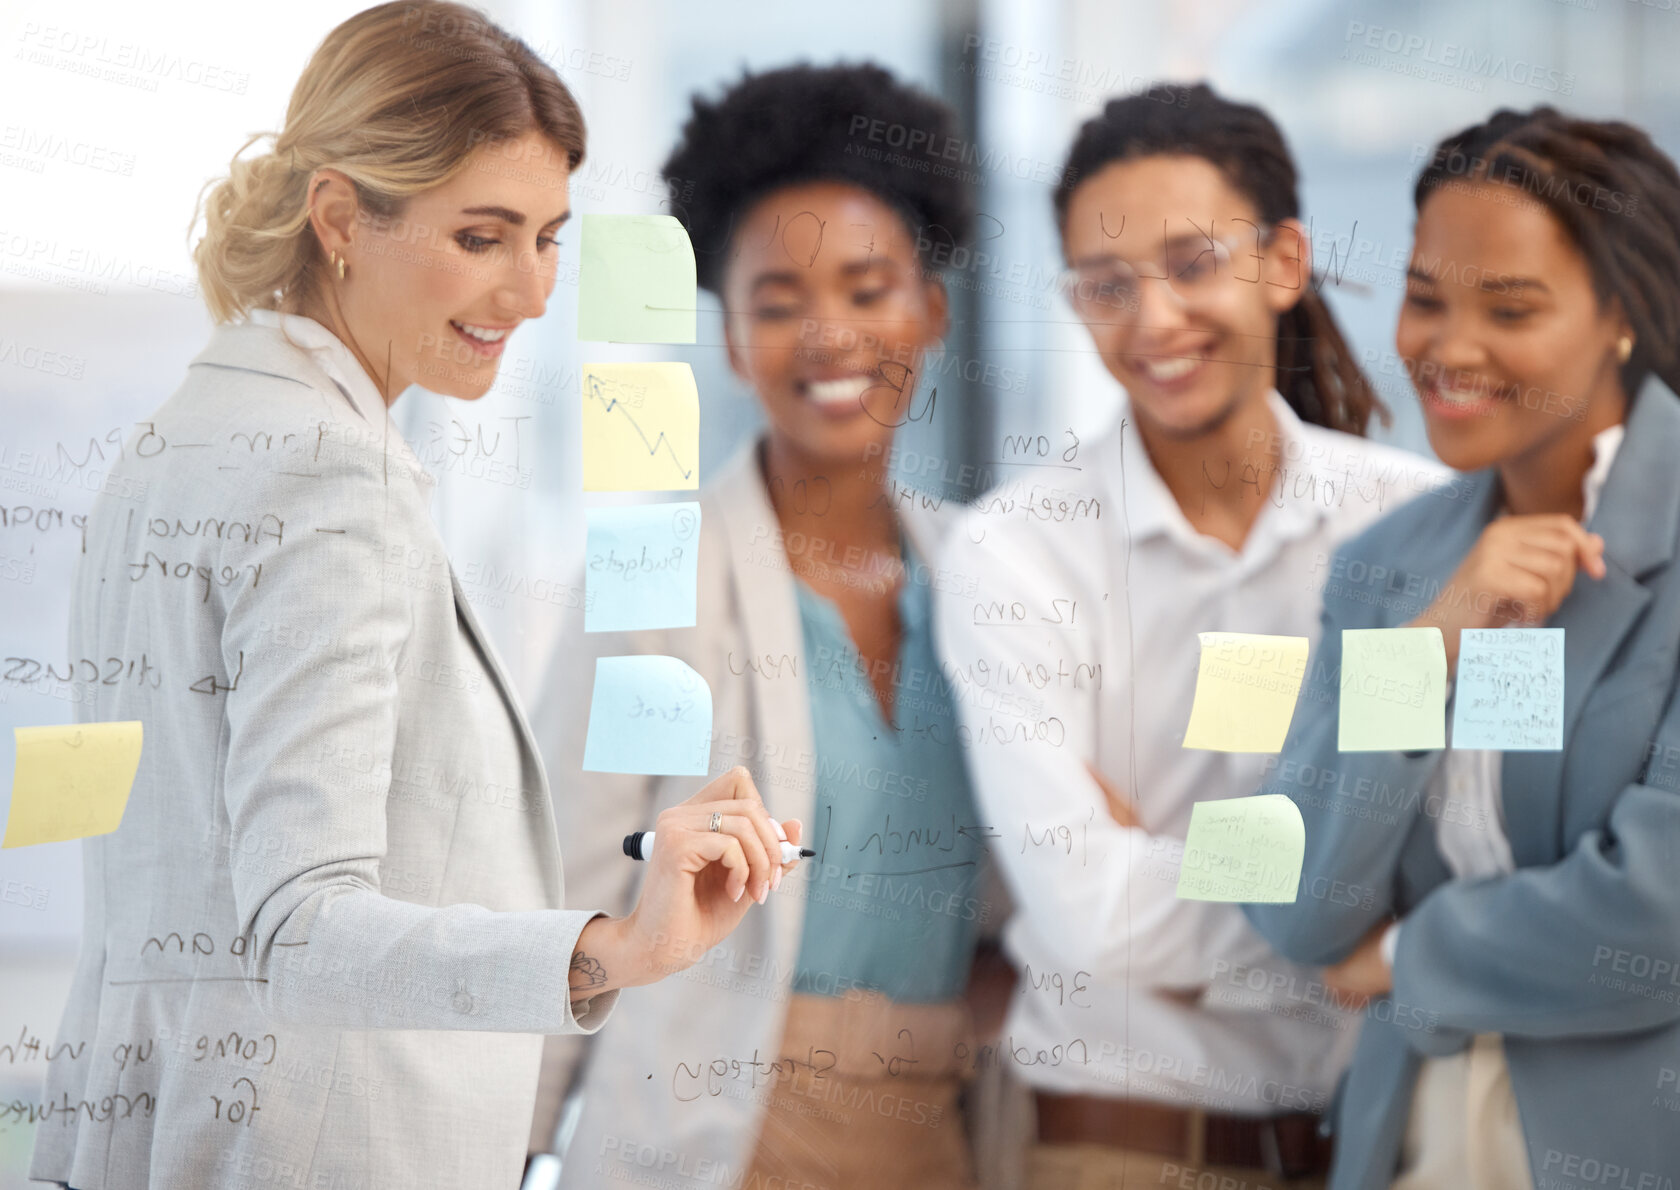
x=341, y=268
x=1624, y=348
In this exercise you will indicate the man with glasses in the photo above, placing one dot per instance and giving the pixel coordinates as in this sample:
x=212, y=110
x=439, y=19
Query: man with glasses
x=1162, y=1040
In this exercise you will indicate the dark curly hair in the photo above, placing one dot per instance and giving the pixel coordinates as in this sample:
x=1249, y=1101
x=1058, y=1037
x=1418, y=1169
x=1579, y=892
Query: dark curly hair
x=1617, y=196
x=1316, y=369
x=855, y=124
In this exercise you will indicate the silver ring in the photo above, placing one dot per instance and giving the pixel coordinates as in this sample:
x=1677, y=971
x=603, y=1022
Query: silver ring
x=717, y=820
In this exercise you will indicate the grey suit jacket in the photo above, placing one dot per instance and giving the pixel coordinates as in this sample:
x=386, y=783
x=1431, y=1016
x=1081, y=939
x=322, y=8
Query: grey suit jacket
x=1574, y=956
x=322, y=946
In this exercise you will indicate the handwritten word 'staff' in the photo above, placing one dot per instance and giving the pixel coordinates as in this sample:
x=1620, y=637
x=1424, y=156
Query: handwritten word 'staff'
x=648, y=714
x=641, y=428
x=71, y=782
x=1243, y=849
x=1245, y=691
x=636, y=281
x=1394, y=690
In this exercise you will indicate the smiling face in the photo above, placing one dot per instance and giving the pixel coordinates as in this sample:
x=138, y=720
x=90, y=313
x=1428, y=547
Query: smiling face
x=1504, y=339
x=1190, y=353
x=828, y=316
x=443, y=284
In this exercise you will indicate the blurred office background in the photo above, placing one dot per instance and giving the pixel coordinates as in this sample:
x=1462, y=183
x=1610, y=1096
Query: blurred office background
x=102, y=156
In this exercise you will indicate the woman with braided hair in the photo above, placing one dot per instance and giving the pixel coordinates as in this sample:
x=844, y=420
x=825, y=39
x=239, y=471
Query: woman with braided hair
x=1520, y=945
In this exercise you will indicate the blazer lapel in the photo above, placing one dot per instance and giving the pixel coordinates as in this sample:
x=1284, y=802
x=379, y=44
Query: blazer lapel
x=548, y=831
x=1637, y=517
x=770, y=624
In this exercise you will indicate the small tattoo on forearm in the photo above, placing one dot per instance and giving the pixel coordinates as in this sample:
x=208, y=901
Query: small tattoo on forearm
x=586, y=972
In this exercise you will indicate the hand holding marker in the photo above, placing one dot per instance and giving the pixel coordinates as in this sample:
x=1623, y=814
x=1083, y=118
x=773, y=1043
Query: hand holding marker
x=639, y=845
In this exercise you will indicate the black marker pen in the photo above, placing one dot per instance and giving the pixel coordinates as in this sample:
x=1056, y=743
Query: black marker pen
x=639, y=845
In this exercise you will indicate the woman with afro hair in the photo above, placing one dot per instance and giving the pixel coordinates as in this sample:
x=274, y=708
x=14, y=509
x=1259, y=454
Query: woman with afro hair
x=827, y=1041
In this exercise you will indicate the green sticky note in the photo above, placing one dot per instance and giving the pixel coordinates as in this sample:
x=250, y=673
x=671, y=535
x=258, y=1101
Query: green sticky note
x=1243, y=849
x=1394, y=690
x=636, y=281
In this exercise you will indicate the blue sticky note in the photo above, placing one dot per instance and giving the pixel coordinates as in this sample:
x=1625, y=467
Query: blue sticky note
x=641, y=566
x=1509, y=694
x=648, y=714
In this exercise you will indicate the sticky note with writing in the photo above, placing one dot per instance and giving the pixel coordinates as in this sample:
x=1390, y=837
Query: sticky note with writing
x=1243, y=849
x=1509, y=692
x=641, y=563
x=641, y=428
x=1394, y=690
x=1245, y=691
x=636, y=280
x=648, y=714
x=72, y=781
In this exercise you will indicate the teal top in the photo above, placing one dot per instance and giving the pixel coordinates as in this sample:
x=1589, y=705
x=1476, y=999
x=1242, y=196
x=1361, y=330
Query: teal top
x=892, y=902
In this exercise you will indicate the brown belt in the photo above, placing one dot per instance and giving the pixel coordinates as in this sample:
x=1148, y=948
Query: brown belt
x=1284, y=1145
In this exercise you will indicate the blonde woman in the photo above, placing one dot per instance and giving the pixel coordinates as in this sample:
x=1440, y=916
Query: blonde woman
x=324, y=943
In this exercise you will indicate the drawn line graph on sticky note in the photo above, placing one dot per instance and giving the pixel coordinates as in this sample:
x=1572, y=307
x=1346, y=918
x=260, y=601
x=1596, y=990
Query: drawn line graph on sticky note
x=641, y=428
x=71, y=781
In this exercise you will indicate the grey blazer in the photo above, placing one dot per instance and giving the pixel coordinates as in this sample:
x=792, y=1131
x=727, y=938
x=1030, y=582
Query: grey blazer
x=323, y=945
x=1574, y=956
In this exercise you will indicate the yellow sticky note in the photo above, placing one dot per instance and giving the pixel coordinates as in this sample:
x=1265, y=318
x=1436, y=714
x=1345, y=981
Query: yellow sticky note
x=1243, y=849
x=71, y=781
x=641, y=428
x=1245, y=691
x=636, y=280
x=1394, y=690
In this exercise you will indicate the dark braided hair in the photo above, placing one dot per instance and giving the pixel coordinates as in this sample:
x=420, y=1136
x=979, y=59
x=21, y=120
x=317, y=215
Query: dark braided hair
x=1316, y=369
x=1615, y=193
x=851, y=123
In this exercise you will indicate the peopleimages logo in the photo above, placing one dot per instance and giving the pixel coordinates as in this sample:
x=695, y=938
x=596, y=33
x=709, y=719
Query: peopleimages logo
x=1417, y=53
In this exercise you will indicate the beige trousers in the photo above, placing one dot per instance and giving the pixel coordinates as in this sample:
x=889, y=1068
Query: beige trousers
x=866, y=1097
x=1463, y=1133
x=1102, y=1167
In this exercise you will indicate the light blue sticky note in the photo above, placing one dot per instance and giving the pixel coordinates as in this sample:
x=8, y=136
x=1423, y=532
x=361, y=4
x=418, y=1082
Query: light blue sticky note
x=648, y=714
x=1510, y=690
x=636, y=280
x=641, y=565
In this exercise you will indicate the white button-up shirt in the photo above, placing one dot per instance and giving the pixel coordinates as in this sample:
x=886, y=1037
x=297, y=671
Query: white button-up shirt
x=1076, y=645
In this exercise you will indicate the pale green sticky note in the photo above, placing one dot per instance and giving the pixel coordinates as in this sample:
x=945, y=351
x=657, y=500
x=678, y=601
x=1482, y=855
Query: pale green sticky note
x=71, y=782
x=1394, y=690
x=1246, y=688
x=1243, y=849
x=636, y=280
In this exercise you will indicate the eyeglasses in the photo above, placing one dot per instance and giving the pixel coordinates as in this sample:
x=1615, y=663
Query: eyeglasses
x=1109, y=289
